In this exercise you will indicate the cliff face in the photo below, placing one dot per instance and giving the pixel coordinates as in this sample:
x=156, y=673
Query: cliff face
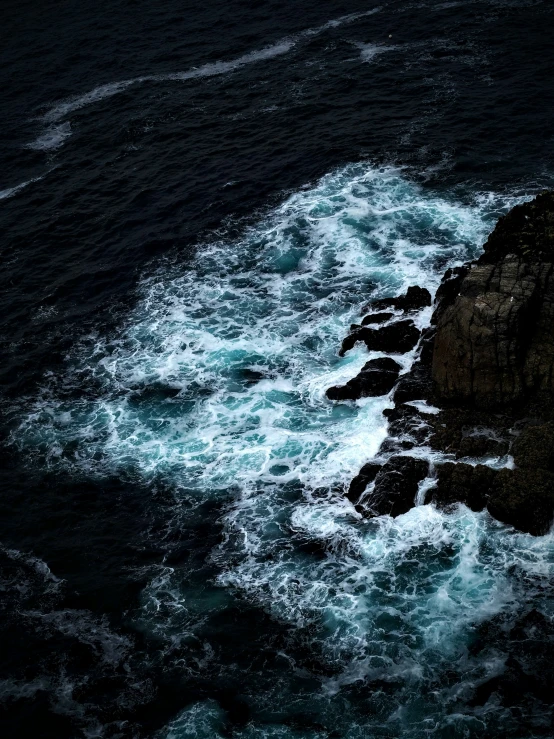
x=488, y=363
x=495, y=338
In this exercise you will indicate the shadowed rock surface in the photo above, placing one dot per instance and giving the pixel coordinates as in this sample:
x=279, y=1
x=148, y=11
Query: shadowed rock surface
x=415, y=298
x=396, y=486
x=396, y=338
x=377, y=377
x=494, y=343
x=376, y=318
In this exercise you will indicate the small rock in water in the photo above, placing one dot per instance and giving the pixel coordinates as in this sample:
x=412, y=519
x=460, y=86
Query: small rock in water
x=377, y=377
x=415, y=298
x=397, y=338
x=396, y=486
x=365, y=476
x=376, y=318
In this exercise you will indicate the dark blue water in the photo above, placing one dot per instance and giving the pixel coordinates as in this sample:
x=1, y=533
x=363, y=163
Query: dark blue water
x=195, y=202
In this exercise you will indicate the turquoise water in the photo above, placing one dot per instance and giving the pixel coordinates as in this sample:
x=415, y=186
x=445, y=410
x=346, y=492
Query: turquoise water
x=215, y=383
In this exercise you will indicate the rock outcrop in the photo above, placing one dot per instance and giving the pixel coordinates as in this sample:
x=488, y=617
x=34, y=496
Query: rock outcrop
x=487, y=362
x=494, y=343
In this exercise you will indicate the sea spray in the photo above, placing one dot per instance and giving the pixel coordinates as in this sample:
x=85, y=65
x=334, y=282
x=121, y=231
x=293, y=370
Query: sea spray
x=215, y=383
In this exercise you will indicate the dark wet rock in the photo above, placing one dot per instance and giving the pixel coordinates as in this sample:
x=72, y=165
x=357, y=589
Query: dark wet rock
x=415, y=298
x=481, y=444
x=406, y=423
x=366, y=475
x=494, y=344
x=415, y=385
x=251, y=376
x=376, y=318
x=462, y=483
x=527, y=231
x=459, y=430
x=377, y=377
x=396, y=486
x=448, y=290
x=524, y=498
x=396, y=338
x=392, y=445
x=487, y=362
x=534, y=447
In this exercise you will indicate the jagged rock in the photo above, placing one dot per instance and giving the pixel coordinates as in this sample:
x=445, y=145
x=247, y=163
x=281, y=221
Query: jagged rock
x=367, y=474
x=462, y=483
x=397, y=338
x=534, y=448
x=481, y=443
x=488, y=362
x=526, y=231
x=376, y=318
x=524, y=498
x=457, y=430
x=494, y=342
x=415, y=298
x=417, y=384
x=448, y=290
x=377, y=377
x=396, y=486
x=406, y=423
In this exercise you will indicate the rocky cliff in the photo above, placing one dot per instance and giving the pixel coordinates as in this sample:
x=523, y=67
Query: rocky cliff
x=494, y=343
x=487, y=363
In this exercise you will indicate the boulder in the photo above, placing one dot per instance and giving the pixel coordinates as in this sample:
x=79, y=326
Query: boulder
x=415, y=298
x=365, y=476
x=523, y=498
x=376, y=318
x=407, y=423
x=396, y=338
x=377, y=377
x=462, y=483
x=396, y=486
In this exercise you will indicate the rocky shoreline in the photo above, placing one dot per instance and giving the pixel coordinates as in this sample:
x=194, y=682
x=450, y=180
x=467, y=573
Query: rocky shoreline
x=480, y=389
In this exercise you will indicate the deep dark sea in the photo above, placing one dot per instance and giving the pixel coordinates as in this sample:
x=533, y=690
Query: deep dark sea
x=196, y=199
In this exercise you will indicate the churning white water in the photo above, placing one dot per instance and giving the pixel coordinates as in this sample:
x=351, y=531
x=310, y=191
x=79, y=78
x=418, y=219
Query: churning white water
x=216, y=383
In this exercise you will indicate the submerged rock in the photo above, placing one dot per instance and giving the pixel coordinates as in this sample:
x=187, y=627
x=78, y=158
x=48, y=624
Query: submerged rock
x=377, y=377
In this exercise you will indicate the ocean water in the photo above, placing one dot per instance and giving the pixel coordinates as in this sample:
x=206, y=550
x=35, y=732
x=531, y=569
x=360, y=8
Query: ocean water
x=198, y=203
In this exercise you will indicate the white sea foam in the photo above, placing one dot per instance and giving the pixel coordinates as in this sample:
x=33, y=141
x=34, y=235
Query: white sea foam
x=52, y=138
x=11, y=191
x=216, y=382
x=102, y=92
x=369, y=52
